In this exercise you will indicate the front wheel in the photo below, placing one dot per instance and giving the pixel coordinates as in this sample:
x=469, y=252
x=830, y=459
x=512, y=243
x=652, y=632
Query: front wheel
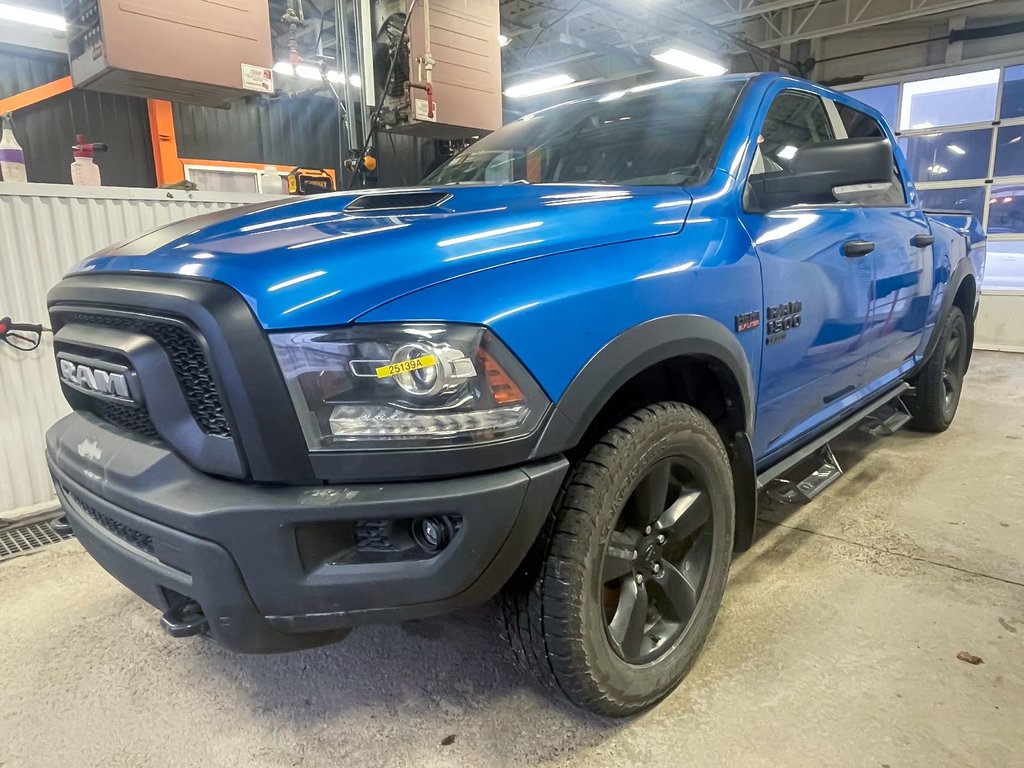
x=937, y=394
x=619, y=595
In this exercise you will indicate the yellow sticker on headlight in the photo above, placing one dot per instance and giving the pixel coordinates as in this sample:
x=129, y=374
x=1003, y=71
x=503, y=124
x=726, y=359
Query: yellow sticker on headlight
x=406, y=366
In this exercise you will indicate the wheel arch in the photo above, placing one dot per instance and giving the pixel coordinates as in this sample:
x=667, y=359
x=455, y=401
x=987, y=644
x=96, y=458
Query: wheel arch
x=965, y=299
x=690, y=358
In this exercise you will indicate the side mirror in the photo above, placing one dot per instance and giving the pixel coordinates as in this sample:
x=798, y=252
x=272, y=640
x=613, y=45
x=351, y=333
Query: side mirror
x=826, y=173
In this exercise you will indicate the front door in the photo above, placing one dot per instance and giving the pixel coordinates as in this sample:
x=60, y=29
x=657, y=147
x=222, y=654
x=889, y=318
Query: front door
x=816, y=299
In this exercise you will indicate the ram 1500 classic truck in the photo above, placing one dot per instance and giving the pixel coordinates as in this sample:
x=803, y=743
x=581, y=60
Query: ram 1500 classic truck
x=560, y=369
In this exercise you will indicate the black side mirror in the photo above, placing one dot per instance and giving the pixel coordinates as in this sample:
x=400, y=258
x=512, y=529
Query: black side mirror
x=824, y=173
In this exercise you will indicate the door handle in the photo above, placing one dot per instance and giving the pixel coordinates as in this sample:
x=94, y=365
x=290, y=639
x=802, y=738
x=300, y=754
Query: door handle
x=853, y=248
x=922, y=241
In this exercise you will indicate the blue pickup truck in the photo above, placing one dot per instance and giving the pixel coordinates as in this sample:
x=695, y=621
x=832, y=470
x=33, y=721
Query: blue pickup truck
x=560, y=370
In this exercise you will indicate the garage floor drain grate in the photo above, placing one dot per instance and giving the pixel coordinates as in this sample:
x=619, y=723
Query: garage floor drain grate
x=28, y=538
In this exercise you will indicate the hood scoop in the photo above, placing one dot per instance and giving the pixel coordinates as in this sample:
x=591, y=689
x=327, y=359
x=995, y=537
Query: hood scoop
x=397, y=201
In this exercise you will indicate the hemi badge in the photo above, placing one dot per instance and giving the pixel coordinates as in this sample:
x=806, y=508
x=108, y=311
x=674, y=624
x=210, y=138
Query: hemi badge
x=748, y=321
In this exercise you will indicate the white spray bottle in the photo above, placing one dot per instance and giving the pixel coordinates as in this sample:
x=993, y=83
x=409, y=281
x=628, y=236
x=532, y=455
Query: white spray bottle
x=12, y=156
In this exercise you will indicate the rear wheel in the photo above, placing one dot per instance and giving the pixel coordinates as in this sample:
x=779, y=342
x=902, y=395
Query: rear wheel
x=620, y=592
x=937, y=395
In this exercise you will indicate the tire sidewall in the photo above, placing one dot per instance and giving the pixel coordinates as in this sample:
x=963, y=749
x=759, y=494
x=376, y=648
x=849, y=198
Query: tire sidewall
x=956, y=322
x=702, y=449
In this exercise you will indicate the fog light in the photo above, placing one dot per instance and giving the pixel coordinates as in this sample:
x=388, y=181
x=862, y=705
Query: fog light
x=432, y=534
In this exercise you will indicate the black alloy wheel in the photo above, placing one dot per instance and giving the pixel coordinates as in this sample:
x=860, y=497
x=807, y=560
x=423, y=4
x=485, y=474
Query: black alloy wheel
x=937, y=389
x=656, y=561
x=953, y=368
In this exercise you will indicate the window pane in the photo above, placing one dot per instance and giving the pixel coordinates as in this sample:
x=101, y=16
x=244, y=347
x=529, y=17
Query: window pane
x=1006, y=210
x=1010, y=151
x=794, y=121
x=859, y=125
x=946, y=156
x=953, y=100
x=223, y=181
x=1013, y=93
x=959, y=199
x=1004, y=266
x=884, y=98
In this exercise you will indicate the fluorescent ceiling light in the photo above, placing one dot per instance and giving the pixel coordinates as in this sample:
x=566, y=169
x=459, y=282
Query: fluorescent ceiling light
x=504, y=40
x=690, y=62
x=32, y=17
x=540, y=85
x=652, y=86
x=308, y=72
x=956, y=150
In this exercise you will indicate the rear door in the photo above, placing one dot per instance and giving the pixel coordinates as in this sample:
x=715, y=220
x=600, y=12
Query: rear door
x=901, y=263
x=816, y=299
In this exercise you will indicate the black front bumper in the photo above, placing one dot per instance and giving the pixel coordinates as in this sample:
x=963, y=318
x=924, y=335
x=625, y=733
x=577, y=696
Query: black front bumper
x=168, y=532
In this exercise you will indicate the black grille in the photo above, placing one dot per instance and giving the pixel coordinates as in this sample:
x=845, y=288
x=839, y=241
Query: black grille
x=133, y=536
x=190, y=365
x=125, y=416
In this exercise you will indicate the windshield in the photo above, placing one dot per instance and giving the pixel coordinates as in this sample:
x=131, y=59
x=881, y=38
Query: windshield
x=665, y=135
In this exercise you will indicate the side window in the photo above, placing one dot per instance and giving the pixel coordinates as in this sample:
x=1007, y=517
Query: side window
x=860, y=125
x=794, y=120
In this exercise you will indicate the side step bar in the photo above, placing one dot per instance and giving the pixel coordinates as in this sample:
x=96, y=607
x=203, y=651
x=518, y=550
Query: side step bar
x=827, y=473
x=830, y=470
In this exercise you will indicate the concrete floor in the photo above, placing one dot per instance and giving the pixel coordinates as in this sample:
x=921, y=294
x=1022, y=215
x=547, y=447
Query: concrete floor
x=836, y=646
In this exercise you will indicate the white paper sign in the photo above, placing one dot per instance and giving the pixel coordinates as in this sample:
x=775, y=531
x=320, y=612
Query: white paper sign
x=256, y=78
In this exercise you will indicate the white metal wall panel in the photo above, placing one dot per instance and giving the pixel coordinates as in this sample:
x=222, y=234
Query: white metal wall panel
x=44, y=230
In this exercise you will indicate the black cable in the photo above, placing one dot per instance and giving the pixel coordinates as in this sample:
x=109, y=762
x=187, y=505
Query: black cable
x=375, y=116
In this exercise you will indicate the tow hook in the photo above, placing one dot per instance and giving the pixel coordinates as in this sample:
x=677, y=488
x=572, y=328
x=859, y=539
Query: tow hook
x=187, y=620
x=61, y=526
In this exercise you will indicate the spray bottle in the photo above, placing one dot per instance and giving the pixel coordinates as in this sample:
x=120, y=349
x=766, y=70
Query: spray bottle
x=12, y=156
x=84, y=171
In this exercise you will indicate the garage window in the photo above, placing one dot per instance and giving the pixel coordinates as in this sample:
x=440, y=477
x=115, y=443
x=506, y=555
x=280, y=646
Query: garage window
x=951, y=100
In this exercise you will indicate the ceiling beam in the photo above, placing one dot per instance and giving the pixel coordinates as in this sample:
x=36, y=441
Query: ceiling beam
x=687, y=19
x=756, y=9
x=913, y=9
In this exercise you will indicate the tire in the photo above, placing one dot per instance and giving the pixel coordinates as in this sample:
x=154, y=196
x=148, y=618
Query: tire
x=939, y=385
x=571, y=613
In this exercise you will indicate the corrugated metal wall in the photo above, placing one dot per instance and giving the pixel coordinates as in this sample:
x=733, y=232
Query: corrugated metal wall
x=43, y=232
x=47, y=130
x=285, y=131
x=47, y=133
x=22, y=69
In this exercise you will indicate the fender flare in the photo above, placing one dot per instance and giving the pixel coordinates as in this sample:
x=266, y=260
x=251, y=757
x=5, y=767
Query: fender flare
x=960, y=273
x=633, y=351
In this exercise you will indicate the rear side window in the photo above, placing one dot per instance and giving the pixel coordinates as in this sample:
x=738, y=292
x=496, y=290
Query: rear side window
x=860, y=125
x=794, y=121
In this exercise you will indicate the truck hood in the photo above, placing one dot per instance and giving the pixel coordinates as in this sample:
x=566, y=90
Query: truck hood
x=326, y=260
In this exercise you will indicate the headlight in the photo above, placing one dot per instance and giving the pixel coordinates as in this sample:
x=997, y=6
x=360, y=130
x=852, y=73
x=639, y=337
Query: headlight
x=387, y=386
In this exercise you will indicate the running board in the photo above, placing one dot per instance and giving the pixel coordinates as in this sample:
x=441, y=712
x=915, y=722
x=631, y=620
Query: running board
x=828, y=472
x=818, y=443
x=887, y=420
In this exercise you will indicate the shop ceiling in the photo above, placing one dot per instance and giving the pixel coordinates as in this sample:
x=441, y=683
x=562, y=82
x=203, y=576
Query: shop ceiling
x=611, y=39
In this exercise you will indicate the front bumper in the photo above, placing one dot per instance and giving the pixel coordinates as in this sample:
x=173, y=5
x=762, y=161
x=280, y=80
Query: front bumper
x=263, y=561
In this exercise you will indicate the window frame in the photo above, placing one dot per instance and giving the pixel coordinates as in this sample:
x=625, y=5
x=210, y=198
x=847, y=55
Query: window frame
x=897, y=171
x=258, y=173
x=838, y=130
x=745, y=196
